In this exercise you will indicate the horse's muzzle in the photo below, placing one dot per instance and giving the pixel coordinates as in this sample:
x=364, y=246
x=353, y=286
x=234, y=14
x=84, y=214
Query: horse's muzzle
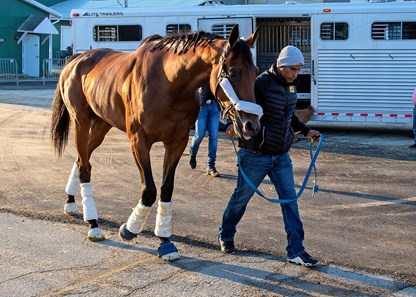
x=246, y=125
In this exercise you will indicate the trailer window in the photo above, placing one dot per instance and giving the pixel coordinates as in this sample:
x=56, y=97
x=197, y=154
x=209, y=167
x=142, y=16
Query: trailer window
x=178, y=29
x=118, y=33
x=223, y=30
x=334, y=31
x=409, y=30
x=393, y=30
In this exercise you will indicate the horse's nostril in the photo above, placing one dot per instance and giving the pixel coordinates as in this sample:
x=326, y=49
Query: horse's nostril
x=249, y=126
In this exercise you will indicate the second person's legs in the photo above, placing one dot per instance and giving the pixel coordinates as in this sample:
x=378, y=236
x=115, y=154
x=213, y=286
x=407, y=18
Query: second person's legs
x=213, y=122
x=199, y=134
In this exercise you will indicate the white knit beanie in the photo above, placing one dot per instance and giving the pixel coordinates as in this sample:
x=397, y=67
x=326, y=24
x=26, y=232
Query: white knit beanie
x=290, y=56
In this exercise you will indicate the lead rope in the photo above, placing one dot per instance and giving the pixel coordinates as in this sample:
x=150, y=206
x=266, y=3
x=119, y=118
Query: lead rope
x=315, y=188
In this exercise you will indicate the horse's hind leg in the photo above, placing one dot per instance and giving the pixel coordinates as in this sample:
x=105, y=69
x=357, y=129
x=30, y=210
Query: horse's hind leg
x=72, y=189
x=99, y=129
x=87, y=139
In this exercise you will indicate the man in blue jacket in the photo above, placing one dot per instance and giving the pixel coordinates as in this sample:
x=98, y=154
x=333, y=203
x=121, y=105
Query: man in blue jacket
x=268, y=154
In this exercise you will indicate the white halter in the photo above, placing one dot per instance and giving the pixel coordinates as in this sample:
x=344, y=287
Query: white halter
x=239, y=105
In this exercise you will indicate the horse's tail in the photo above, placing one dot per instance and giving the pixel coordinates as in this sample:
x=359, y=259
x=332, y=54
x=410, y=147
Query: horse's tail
x=60, y=117
x=60, y=123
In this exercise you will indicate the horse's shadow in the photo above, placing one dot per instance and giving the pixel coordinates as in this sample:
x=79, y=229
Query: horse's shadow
x=275, y=280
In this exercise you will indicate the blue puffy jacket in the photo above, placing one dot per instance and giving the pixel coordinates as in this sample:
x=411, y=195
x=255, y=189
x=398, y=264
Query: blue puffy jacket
x=278, y=100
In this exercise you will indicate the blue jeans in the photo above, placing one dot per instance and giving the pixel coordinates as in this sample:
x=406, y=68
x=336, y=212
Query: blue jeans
x=414, y=122
x=208, y=120
x=280, y=171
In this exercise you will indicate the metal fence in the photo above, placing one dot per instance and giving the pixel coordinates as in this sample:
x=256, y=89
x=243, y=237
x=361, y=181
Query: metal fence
x=51, y=69
x=8, y=70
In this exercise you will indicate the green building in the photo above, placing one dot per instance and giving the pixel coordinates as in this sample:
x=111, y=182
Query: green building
x=28, y=34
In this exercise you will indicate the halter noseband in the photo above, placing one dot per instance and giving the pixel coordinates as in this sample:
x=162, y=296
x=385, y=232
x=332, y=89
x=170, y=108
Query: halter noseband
x=236, y=104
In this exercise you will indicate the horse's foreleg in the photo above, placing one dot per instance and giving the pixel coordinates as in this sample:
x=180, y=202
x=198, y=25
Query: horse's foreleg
x=140, y=213
x=136, y=222
x=163, y=227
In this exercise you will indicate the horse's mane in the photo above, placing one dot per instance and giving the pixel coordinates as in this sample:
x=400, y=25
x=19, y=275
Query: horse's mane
x=200, y=38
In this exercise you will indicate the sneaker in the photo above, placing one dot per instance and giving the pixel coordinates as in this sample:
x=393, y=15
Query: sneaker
x=192, y=161
x=303, y=259
x=227, y=247
x=412, y=146
x=213, y=172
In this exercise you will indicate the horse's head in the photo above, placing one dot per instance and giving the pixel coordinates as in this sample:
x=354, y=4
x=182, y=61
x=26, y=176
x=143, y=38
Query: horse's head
x=232, y=81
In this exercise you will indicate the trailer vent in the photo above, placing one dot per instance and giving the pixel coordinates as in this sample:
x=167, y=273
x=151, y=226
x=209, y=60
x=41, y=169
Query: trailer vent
x=223, y=30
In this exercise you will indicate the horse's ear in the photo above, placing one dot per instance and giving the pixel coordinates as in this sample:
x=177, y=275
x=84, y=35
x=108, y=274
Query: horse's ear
x=252, y=38
x=233, y=38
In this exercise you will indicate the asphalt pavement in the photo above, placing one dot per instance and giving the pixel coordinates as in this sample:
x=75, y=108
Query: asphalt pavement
x=41, y=256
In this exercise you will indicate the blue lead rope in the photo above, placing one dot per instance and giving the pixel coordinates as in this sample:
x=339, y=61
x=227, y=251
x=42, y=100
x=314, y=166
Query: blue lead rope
x=315, y=189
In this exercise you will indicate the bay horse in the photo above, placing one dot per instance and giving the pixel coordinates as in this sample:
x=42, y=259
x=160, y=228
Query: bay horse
x=150, y=94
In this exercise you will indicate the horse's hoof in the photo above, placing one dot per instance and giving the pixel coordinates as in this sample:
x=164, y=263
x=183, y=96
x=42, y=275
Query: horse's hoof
x=126, y=234
x=71, y=209
x=95, y=234
x=168, y=251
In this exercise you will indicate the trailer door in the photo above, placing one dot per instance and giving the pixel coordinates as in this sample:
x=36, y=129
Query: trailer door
x=315, y=33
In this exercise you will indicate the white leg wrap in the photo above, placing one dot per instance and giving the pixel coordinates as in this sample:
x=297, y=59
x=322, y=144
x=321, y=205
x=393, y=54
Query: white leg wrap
x=88, y=203
x=163, y=226
x=137, y=218
x=72, y=187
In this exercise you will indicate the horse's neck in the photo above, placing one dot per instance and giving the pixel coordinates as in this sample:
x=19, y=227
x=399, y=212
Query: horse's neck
x=189, y=69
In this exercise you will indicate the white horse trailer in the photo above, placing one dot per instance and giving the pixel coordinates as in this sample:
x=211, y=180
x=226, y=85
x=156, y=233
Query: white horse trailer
x=360, y=58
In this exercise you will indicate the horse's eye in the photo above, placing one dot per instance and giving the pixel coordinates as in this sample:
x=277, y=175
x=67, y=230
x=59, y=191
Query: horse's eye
x=234, y=73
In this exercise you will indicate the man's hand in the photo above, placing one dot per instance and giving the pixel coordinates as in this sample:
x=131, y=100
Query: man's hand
x=313, y=135
x=230, y=131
